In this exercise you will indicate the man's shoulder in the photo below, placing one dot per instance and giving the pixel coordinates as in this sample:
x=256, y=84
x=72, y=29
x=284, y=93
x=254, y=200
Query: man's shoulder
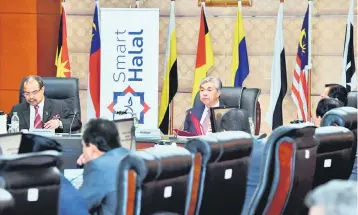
x=20, y=106
x=108, y=160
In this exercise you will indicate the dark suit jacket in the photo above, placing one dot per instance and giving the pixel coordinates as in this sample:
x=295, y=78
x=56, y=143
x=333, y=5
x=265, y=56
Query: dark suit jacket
x=195, y=113
x=51, y=108
x=99, y=187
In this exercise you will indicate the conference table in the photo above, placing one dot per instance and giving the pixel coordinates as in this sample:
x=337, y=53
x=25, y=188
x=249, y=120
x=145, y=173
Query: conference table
x=72, y=146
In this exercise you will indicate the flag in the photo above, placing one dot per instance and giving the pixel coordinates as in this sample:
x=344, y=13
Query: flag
x=278, y=76
x=240, y=61
x=349, y=75
x=204, y=53
x=93, y=101
x=137, y=3
x=300, y=85
x=170, y=80
x=62, y=61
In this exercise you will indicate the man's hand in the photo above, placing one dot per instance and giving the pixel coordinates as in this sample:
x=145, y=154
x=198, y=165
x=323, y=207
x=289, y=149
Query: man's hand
x=81, y=160
x=52, y=124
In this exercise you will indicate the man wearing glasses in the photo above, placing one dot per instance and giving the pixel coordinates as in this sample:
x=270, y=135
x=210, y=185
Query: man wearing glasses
x=39, y=112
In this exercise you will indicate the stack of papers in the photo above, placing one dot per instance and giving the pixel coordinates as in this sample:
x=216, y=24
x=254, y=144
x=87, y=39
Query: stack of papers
x=75, y=176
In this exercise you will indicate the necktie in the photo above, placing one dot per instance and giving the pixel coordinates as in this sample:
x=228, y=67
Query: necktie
x=207, y=124
x=37, y=121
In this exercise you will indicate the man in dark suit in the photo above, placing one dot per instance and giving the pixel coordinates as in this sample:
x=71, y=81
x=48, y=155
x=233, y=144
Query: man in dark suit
x=197, y=119
x=102, y=153
x=40, y=112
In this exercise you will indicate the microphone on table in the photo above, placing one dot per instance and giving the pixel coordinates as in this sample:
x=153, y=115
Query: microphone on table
x=262, y=136
x=73, y=119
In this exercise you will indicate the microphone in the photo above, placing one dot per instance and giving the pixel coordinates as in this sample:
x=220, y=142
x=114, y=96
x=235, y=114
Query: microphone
x=133, y=146
x=121, y=112
x=262, y=136
x=73, y=119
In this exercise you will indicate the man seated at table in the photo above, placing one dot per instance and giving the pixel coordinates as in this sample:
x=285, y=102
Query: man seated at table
x=197, y=120
x=41, y=112
x=102, y=153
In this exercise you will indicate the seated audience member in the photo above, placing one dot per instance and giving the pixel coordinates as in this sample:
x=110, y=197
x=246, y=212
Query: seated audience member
x=236, y=120
x=70, y=200
x=41, y=112
x=337, y=197
x=102, y=153
x=325, y=105
x=336, y=91
x=197, y=119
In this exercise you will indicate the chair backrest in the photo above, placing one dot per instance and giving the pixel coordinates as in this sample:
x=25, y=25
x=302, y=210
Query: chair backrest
x=244, y=98
x=343, y=116
x=223, y=172
x=7, y=202
x=352, y=99
x=287, y=171
x=334, y=154
x=33, y=180
x=65, y=89
x=155, y=179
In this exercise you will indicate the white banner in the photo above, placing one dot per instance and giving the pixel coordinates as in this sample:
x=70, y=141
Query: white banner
x=129, y=63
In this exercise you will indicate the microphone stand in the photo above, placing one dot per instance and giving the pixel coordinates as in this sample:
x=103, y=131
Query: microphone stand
x=73, y=119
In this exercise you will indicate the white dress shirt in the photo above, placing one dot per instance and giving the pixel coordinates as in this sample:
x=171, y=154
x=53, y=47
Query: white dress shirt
x=203, y=116
x=33, y=111
x=206, y=111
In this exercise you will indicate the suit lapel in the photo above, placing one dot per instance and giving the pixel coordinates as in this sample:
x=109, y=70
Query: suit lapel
x=26, y=115
x=47, y=110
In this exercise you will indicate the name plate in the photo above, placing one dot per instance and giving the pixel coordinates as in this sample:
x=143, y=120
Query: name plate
x=153, y=134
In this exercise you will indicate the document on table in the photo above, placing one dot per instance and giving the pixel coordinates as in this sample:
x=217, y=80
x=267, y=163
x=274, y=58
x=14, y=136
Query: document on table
x=75, y=176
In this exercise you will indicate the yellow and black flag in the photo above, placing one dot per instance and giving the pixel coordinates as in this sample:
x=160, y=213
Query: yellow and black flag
x=204, y=53
x=170, y=80
x=62, y=58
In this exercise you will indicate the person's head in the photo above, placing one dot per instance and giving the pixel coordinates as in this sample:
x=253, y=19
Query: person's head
x=100, y=136
x=337, y=197
x=335, y=91
x=325, y=105
x=210, y=90
x=235, y=120
x=34, y=89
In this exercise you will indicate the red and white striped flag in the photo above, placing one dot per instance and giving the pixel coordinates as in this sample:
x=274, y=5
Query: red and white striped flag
x=300, y=85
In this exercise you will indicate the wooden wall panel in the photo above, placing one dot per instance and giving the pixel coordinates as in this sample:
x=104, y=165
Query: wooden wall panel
x=28, y=41
x=18, y=53
x=47, y=38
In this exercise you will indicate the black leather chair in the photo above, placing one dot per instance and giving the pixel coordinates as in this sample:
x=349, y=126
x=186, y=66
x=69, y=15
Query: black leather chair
x=66, y=89
x=352, y=99
x=155, y=179
x=344, y=117
x=287, y=171
x=7, y=202
x=334, y=154
x=223, y=171
x=33, y=180
x=244, y=98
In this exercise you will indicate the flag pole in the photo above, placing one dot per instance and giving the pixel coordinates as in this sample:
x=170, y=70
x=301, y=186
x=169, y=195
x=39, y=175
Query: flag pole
x=171, y=110
x=309, y=103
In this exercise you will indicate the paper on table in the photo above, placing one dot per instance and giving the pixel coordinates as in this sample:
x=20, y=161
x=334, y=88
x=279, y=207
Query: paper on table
x=75, y=176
